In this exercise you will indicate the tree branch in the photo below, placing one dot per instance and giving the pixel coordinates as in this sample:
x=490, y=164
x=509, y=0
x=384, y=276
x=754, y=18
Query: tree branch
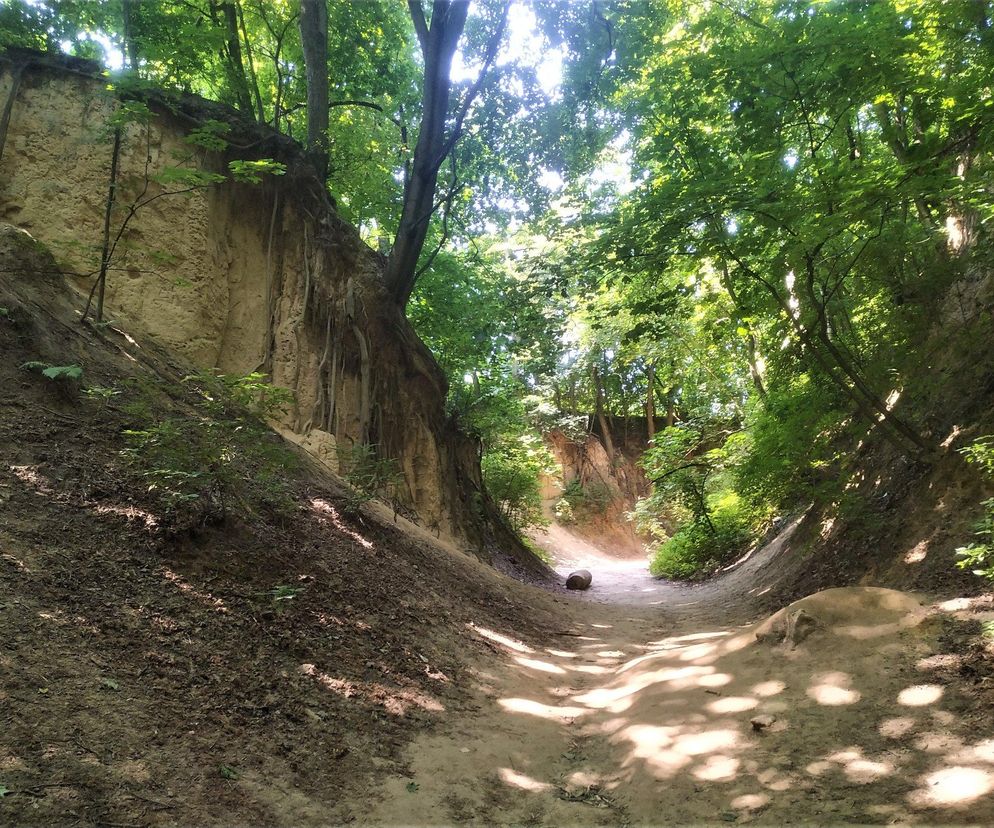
x=420, y=24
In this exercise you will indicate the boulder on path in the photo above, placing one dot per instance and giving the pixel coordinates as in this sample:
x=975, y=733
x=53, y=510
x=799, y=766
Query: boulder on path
x=579, y=580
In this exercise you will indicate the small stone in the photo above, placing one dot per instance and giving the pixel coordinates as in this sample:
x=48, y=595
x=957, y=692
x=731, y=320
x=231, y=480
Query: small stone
x=762, y=722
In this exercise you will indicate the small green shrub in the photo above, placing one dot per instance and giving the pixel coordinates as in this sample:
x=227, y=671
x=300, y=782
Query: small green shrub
x=512, y=472
x=581, y=502
x=367, y=473
x=202, y=467
x=55, y=372
x=703, y=545
x=978, y=557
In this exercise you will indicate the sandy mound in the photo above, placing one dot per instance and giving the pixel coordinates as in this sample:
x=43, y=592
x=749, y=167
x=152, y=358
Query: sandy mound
x=852, y=612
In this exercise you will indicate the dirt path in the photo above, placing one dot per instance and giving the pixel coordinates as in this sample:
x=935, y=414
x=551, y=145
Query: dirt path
x=640, y=713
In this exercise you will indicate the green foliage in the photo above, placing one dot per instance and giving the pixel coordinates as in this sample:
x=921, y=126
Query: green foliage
x=251, y=172
x=103, y=393
x=209, y=135
x=368, y=474
x=55, y=372
x=702, y=546
x=202, y=468
x=580, y=502
x=511, y=474
x=978, y=557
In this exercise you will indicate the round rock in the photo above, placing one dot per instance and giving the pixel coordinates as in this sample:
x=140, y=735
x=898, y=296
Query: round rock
x=579, y=580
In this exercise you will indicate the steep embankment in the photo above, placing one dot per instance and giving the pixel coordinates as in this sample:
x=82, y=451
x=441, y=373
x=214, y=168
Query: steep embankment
x=251, y=653
x=241, y=277
x=589, y=497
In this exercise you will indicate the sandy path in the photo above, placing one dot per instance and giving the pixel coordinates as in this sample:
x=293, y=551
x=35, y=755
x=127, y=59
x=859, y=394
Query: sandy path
x=640, y=714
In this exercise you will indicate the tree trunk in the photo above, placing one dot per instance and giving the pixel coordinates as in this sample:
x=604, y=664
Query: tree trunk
x=438, y=46
x=260, y=110
x=438, y=40
x=650, y=401
x=128, y=19
x=314, y=40
x=752, y=354
x=239, y=82
x=599, y=411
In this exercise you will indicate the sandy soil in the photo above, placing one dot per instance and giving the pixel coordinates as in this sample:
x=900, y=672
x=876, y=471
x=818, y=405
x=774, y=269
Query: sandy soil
x=641, y=712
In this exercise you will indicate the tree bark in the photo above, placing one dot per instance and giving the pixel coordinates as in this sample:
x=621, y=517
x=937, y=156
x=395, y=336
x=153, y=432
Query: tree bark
x=128, y=19
x=436, y=138
x=314, y=40
x=239, y=82
x=599, y=411
x=650, y=401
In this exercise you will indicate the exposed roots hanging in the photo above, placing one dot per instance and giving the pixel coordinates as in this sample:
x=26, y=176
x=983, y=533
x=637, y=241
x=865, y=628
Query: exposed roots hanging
x=16, y=73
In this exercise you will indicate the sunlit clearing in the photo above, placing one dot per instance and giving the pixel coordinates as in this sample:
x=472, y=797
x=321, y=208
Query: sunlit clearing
x=714, y=680
x=733, y=704
x=957, y=604
x=560, y=653
x=668, y=751
x=750, y=802
x=832, y=696
x=611, y=653
x=953, y=787
x=503, y=640
x=767, y=688
x=329, y=513
x=511, y=777
x=917, y=553
x=544, y=711
x=607, y=697
x=535, y=664
x=832, y=690
x=984, y=751
x=717, y=768
x=896, y=727
x=920, y=695
x=30, y=476
x=863, y=770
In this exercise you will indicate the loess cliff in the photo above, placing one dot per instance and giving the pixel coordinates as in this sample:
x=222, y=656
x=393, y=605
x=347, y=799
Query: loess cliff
x=239, y=277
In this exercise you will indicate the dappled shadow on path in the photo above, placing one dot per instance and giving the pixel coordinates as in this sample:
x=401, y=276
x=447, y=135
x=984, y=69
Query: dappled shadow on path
x=856, y=723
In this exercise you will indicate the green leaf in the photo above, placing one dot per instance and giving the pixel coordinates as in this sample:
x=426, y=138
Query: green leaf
x=111, y=684
x=251, y=172
x=228, y=772
x=63, y=372
x=411, y=787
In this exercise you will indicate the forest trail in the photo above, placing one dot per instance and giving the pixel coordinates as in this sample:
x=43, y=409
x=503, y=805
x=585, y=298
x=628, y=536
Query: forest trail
x=641, y=713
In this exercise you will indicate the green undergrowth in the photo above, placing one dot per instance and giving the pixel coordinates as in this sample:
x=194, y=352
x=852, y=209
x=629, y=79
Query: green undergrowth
x=220, y=459
x=703, y=545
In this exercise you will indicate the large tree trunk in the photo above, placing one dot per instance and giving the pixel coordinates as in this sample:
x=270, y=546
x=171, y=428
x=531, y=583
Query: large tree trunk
x=438, y=45
x=436, y=139
x=650, y=401
x=130, y=46
x=314, y=40
x=599, y=411
x=239, y=81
